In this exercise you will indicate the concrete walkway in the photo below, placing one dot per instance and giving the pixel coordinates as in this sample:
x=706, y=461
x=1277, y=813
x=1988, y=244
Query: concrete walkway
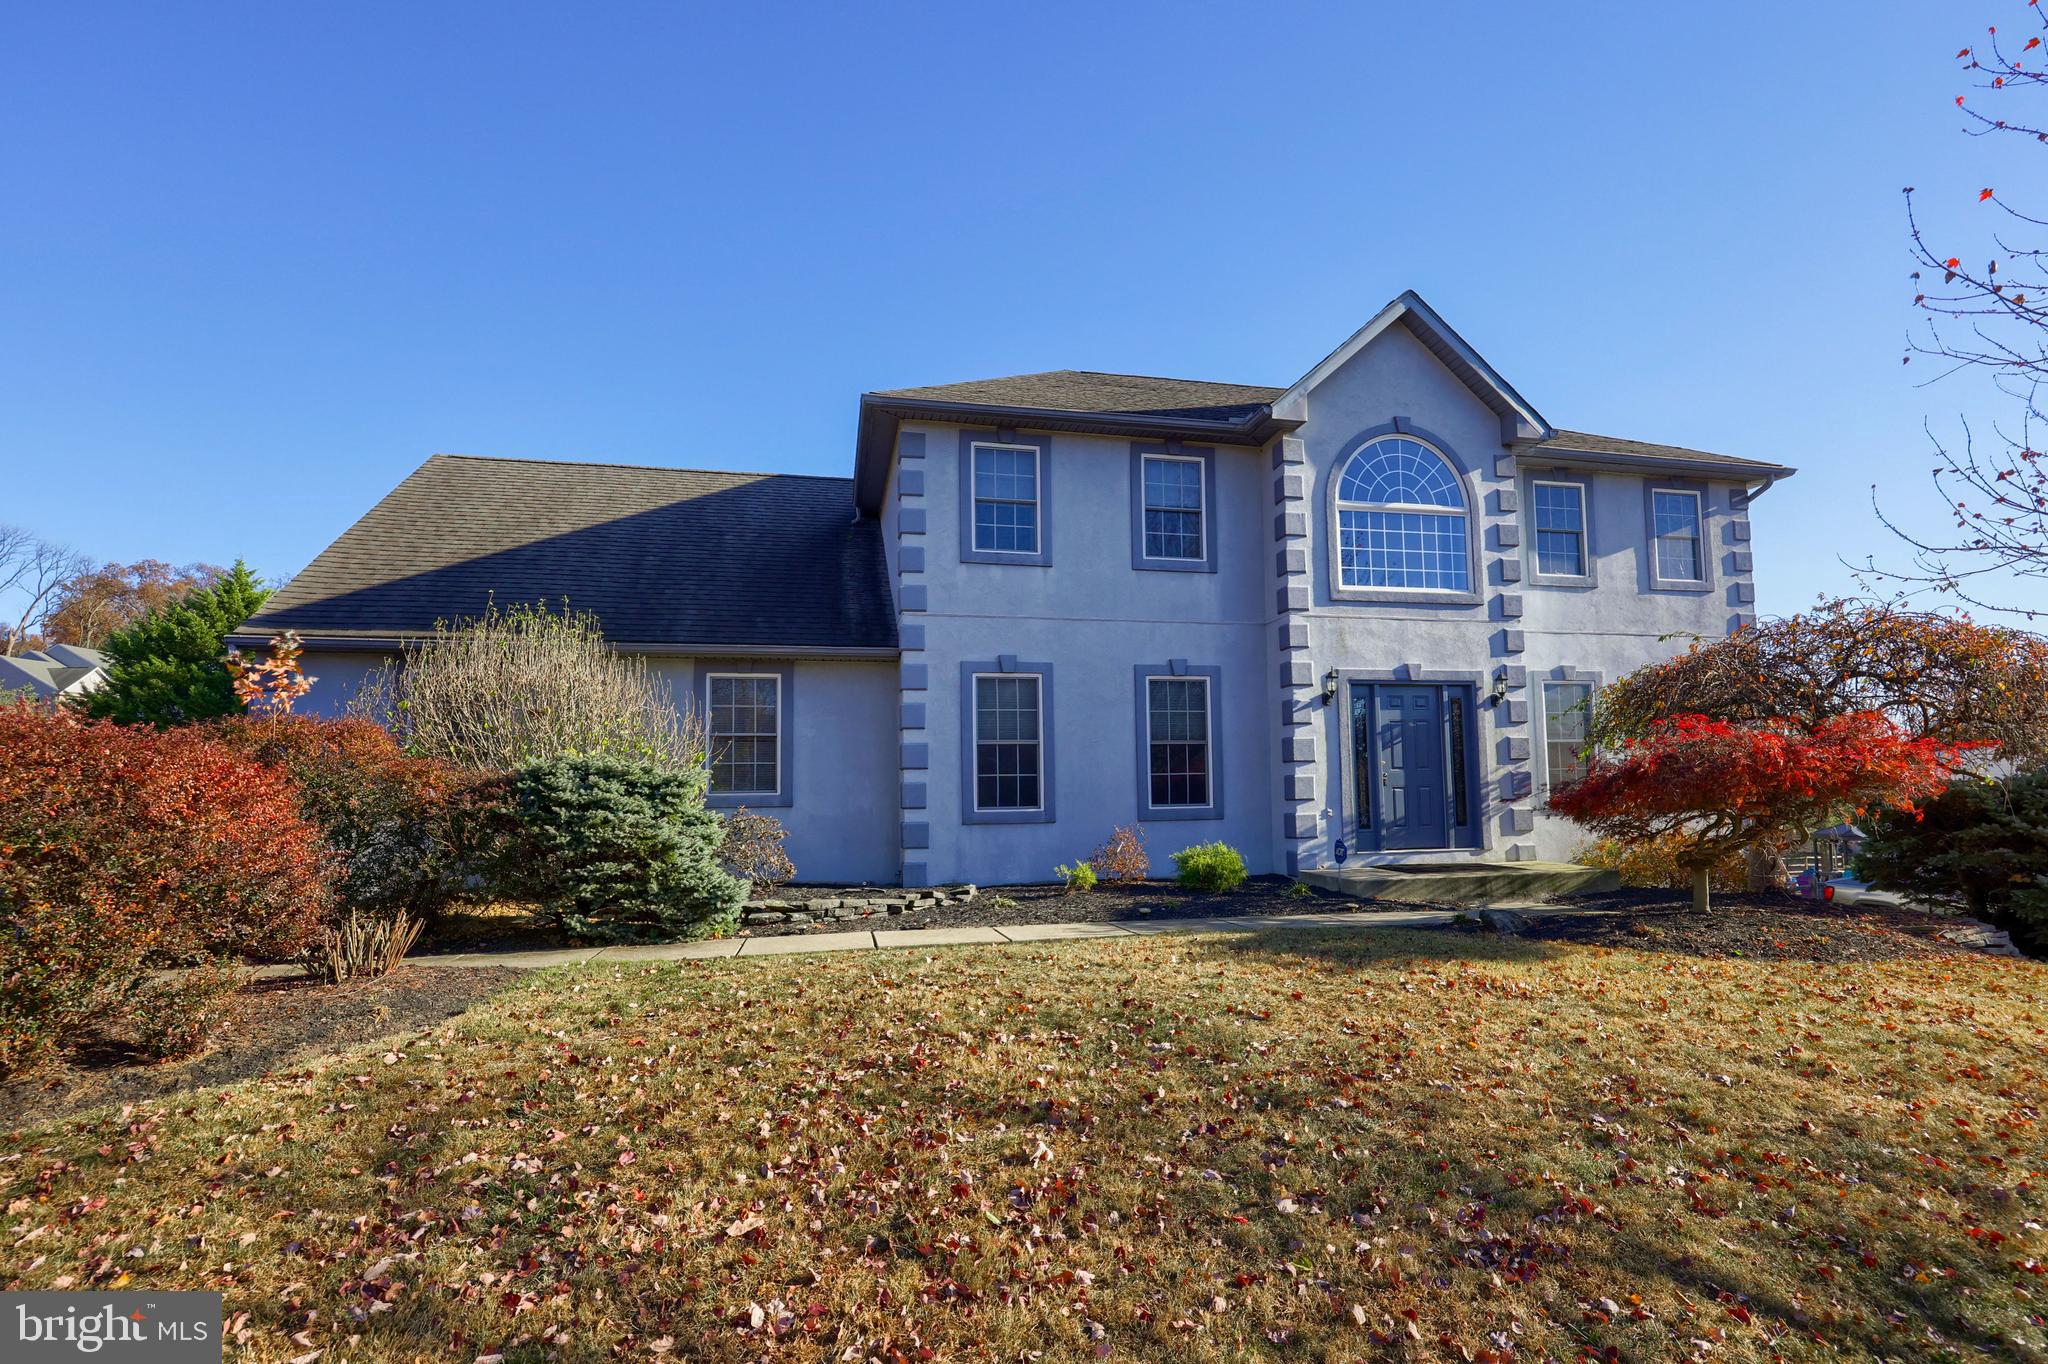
x=868, y=940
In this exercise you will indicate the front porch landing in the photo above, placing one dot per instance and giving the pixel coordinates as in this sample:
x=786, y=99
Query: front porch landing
x=1462, y=883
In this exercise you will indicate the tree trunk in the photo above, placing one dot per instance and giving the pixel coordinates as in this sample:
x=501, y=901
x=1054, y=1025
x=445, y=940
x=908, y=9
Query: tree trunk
x=1702, y=882
x=1764, y=867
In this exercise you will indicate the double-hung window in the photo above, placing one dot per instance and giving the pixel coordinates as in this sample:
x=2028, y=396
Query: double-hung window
x=1009, y=742
x=1006, y=499
x=745, y=722
x=1177, y=742
x=1558, y=511
x=1675, y=535
x=1567, y=722
x=1174, y=513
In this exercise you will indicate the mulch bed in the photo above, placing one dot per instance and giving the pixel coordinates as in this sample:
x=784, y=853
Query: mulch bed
x=1772, y=926
x=1000, y=906
x=277, y=1023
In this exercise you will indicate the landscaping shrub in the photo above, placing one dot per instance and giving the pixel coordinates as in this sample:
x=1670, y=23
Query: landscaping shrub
x=1983, y=842
x=1080, y=876
x=365, y=946
x=528, y=685
x=1654, y=864
x=752, y=849
x=124, y=850
x=1210, y=866
x=1122, y=856
x=168, y=667
x=621, y=851
x=393, y=822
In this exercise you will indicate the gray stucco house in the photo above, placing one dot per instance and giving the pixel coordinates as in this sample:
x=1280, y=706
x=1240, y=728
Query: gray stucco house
x=1371, y=606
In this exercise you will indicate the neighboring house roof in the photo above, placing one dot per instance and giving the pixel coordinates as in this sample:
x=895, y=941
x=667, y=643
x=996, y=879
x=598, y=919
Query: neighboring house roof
x=1249, y=414
x=668, y=559
x=59, y=670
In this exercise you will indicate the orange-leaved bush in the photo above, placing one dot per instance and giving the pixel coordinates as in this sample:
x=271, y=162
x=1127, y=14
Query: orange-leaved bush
x=1711, y=787
x=398, y=826
x=126, y=849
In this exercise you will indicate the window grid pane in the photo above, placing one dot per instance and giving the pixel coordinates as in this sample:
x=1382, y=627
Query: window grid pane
x=1676, y=526
x=1403, y=549
x=1006, y=500
x=1397, y=472
x=1006, y=743
x=1173, y=508
x=745, y=735
x=1567, y=713
x=1560, y=519
x=1178, y=715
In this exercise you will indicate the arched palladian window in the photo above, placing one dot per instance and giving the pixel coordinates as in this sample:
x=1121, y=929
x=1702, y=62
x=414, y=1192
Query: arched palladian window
x=1401, y=520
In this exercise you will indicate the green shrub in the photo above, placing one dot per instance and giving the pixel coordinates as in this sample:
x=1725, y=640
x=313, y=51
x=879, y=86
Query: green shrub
x=619, y=850
x=169, y=667
x=1982, y=842
x=1210, y=866
x=1079, y=876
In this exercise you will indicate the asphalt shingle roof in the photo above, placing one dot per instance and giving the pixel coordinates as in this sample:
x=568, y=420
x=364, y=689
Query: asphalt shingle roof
x=1588, y=443
x=662, y=556
x=1072, y=390
x=1078, y=390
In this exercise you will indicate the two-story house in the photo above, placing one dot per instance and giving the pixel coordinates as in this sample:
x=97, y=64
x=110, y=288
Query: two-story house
x=1374, y=606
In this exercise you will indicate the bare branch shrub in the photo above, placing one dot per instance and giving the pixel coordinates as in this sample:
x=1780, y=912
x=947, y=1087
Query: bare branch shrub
x=528, y=684
x=1122, y=855
x=752, y=849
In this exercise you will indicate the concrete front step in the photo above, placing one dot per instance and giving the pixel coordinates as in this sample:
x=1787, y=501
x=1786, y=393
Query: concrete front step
x=1463, y=883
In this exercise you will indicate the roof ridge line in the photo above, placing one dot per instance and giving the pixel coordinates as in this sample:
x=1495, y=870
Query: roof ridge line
x=621, y=464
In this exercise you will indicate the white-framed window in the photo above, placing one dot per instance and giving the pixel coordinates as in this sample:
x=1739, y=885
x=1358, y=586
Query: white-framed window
x=1557, y=514
x=1675, y=535
x=1401, y=520
x=1006, y=500
x=744, y=715
x=1567, y=727
x=1009, y=741
x=1177, y=742
x=1175, y=516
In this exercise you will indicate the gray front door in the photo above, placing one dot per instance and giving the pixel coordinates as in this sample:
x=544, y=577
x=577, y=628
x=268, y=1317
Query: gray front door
x=1408, y=726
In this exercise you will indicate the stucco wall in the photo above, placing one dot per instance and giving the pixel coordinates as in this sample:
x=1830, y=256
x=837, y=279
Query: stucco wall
x=1528, y=628
x=337, y=675
x=840, y=744
x=1095, y=618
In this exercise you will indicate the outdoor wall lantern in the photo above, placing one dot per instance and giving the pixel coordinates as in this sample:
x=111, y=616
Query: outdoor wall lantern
x=1330, y=685
x=1500, y=686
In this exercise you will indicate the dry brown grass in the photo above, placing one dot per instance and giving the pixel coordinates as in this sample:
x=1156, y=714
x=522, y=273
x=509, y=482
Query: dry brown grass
x=1284, y=1146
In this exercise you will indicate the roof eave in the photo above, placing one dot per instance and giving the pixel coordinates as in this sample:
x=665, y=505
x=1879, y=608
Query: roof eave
x=881, y=416
x=353, y=640
x=1747, y=472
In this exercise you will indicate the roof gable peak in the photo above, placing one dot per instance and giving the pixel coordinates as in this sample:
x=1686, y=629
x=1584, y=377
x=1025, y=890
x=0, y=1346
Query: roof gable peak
x=1519, y=419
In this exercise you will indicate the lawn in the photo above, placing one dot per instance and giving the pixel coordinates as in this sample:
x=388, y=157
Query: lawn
x=1286, y=1146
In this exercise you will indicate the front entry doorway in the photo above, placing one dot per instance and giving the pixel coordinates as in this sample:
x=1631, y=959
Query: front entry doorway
x=1409, y=752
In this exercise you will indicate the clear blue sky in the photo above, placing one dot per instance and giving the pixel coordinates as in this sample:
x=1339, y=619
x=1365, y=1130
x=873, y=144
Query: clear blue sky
x=258, y=261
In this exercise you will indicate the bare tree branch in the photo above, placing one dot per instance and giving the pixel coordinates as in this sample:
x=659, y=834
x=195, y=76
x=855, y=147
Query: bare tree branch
x=32, y=570
x=1991, y=318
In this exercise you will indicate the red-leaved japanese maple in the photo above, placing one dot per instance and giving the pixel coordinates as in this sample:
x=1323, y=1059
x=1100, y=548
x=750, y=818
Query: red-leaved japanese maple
x=1714, y=787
